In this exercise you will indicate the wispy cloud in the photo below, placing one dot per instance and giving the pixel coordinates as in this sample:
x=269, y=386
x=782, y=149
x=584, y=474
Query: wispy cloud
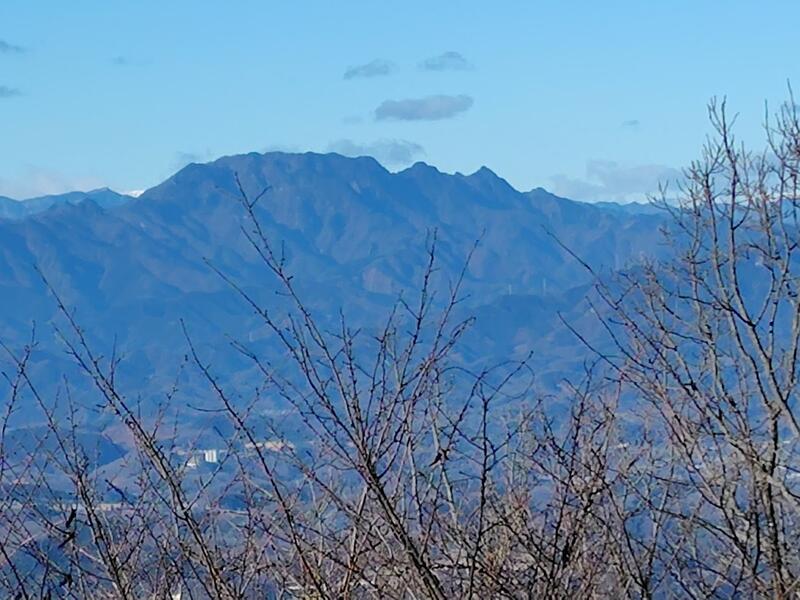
x=608, y=180
x=129, y=61
x=184, y=158
x=447, y=61
x=375, y=68
x=430, y=108
x=281, y=147
x=9, y=92
x=33, y=181
x=7, y=48
x=388, y=152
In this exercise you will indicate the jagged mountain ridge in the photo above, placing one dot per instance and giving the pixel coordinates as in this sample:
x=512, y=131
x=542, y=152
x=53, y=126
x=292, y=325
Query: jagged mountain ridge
x=355, y=235
x=19, y=209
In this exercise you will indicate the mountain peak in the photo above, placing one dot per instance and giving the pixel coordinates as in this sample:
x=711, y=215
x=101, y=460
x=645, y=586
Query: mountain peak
x=491, y=183
x=421, y=167
x=485, y=172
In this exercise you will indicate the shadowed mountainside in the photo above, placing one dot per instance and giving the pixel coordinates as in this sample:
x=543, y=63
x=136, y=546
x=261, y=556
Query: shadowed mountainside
x=355, y=238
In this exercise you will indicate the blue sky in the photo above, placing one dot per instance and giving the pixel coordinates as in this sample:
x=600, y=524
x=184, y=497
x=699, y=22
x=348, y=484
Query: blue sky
x=595, y=100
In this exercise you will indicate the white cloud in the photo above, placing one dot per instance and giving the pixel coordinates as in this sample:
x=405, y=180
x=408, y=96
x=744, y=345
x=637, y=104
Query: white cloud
x=429, y=108
x=386, y=152
x=447, y=61
x=608, y=180
x=375, y=68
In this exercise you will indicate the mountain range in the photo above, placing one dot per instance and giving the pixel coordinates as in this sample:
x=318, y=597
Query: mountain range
x=355, y=238
x=18, y=209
